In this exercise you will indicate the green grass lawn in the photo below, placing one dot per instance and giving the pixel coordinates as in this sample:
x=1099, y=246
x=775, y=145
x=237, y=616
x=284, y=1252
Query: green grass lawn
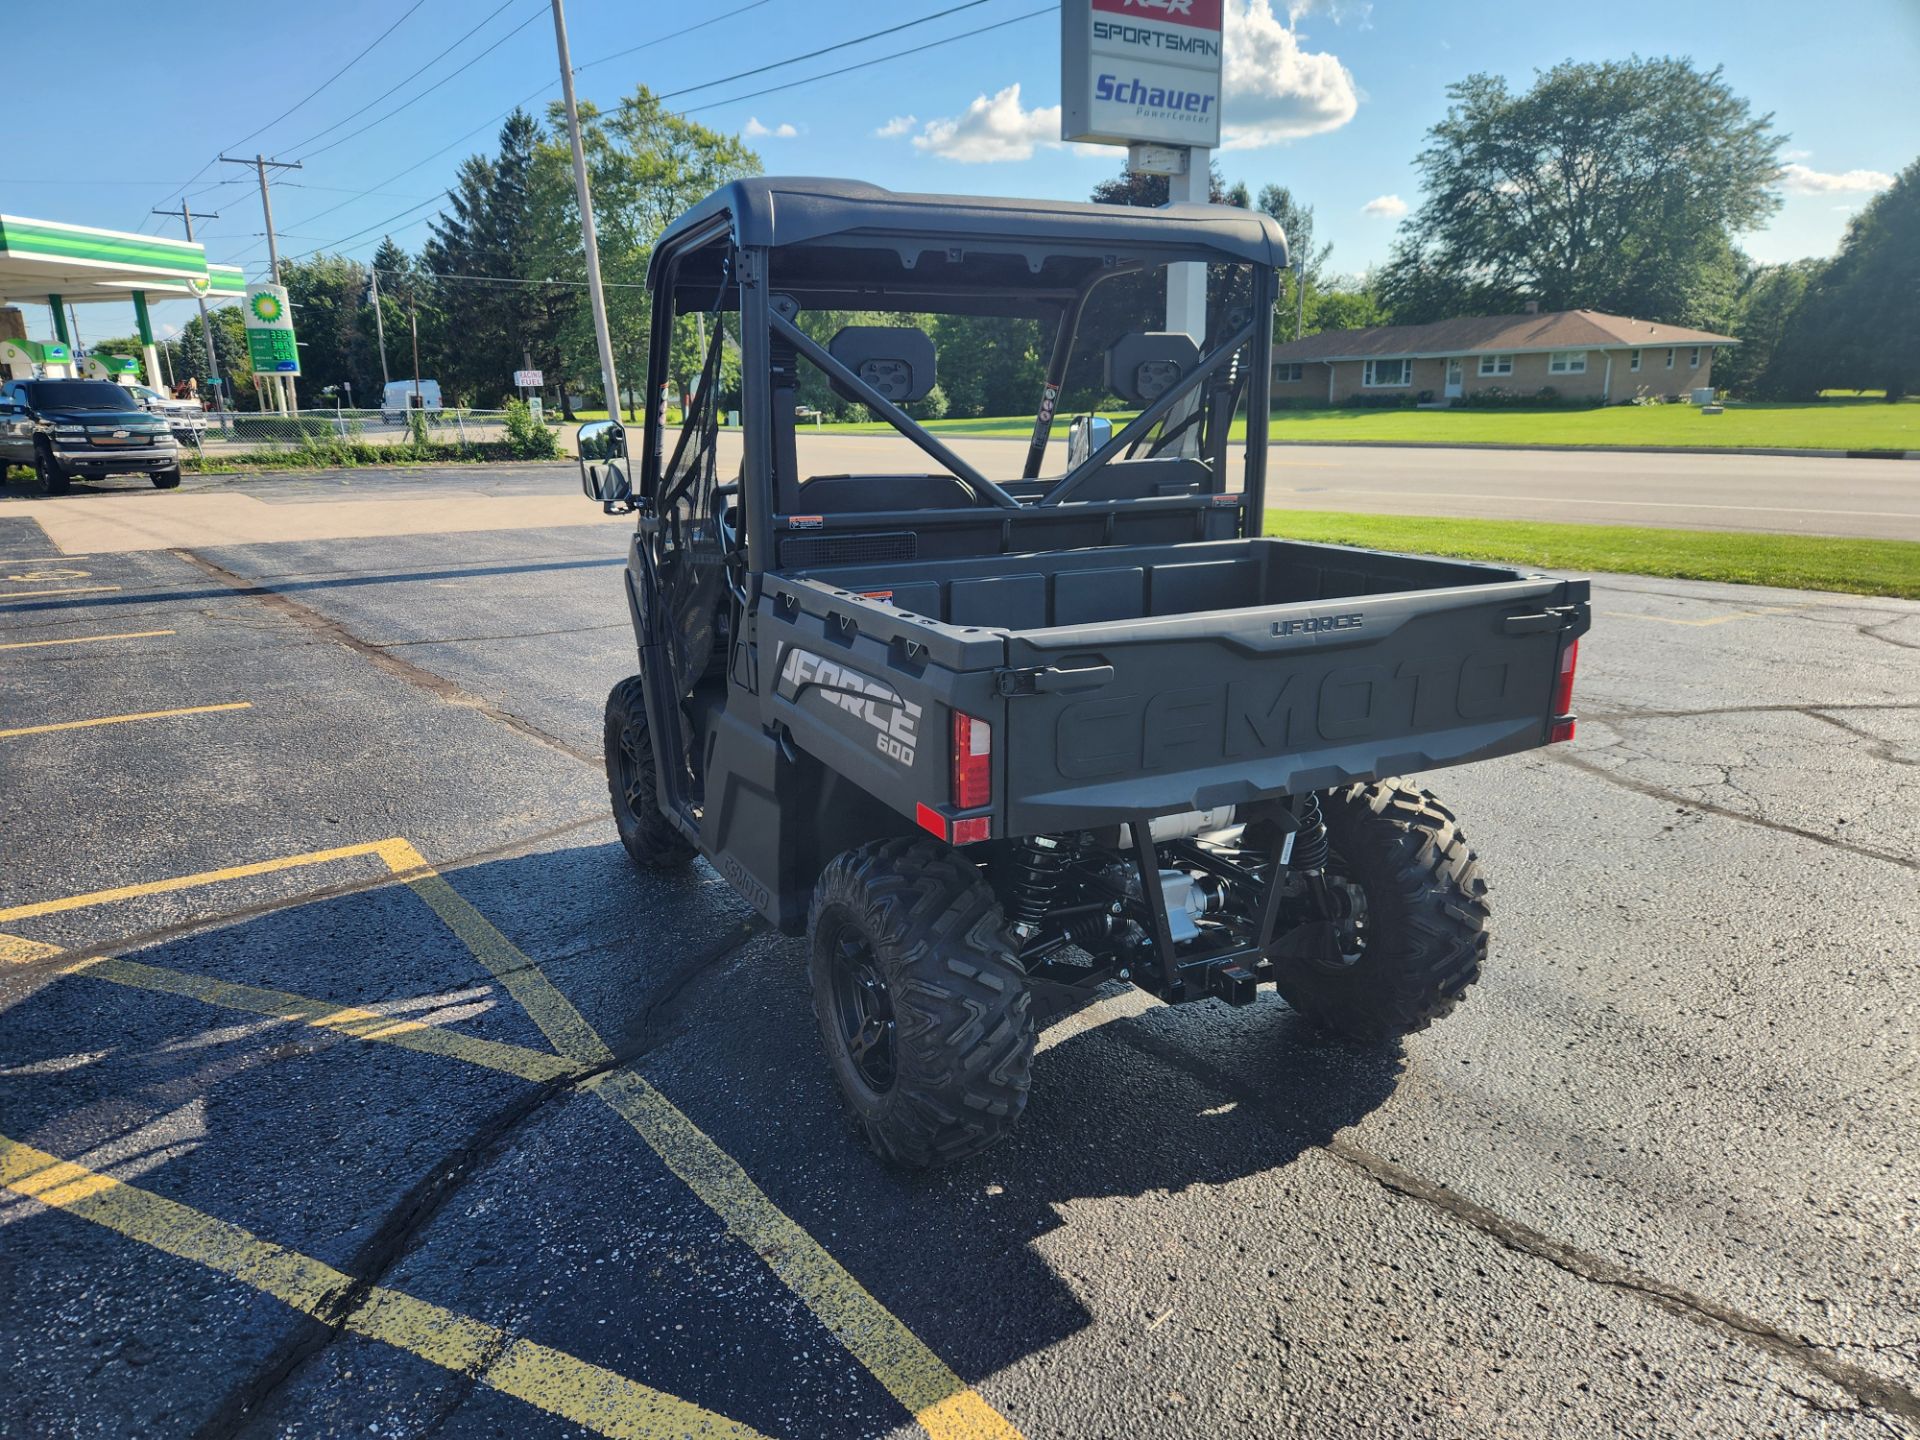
x=1824, y=425
x=1801, y=562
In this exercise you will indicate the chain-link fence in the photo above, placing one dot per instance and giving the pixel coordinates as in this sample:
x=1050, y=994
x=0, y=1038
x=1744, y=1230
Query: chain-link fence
x=239, y=431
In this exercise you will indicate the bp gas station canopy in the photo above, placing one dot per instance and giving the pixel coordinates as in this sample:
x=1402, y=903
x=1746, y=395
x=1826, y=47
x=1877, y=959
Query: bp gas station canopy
x=43, y=262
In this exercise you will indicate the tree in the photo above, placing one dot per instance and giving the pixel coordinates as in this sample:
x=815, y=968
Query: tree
x=646, y=165
x=1127, y=188
x=1610, y=186
x=1763, y=306
x=1858, y=326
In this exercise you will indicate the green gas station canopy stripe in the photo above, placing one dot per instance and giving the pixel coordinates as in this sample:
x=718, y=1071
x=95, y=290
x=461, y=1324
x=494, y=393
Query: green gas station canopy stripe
x=226, y=280
x=44, y=240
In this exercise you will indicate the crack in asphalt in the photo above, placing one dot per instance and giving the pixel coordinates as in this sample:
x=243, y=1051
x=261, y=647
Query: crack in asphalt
x=415, y=675
x=424, y=1201
x=1865, y=1386
x=1707, y=807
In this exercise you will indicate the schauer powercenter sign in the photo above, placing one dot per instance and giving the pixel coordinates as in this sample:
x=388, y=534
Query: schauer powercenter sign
x=1133, y=70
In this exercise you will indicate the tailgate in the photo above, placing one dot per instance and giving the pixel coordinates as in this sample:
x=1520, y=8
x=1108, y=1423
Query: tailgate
x=1193, y=711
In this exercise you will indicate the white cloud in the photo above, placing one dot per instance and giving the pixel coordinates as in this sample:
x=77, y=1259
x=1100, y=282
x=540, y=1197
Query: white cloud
x=898, y=125
x=1274, y=89
x=1804, y=180
x=1387, y=207
x=996, y=128
x=756, y=131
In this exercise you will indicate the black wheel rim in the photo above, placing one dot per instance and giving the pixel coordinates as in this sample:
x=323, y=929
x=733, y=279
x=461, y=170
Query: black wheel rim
x=1353, y=921
x=631, y=769
x=863, y=1010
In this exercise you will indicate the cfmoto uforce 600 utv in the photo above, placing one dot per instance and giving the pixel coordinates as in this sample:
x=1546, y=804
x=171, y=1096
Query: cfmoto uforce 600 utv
x=980, y=727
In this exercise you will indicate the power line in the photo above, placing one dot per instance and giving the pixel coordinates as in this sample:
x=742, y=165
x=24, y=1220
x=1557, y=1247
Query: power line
x=395, y=89
x=825, y=50
x=648, y=45
x=310, y=95
x=331, y=78
x=863, y=64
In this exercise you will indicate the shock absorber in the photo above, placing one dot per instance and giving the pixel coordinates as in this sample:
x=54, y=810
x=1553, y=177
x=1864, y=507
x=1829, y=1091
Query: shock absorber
x=1033, y=882
x=1310, y=845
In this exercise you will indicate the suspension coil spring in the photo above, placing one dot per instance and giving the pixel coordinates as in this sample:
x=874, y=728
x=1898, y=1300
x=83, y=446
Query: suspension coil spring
x=1310, y=847
x=1038, y=865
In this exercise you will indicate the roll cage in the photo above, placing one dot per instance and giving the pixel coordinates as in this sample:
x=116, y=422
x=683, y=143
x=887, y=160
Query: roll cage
x=758, y=253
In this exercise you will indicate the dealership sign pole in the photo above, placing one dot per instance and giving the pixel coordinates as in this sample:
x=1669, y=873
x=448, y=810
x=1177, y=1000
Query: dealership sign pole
x=1146, y=74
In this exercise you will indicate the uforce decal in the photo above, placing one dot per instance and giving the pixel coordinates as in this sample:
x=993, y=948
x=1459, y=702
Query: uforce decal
x=1318, y=624
x=896, y=720
x=1209, y=724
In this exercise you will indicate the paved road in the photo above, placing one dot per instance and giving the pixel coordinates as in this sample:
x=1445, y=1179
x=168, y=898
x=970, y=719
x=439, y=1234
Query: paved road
x=1800, y=495
x=540, y=1146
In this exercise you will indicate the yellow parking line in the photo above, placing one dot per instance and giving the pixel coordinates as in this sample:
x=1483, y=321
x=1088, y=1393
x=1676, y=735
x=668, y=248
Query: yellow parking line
x=69, y=590
x=938, y=1399
x=549, y=1379
x=124, y=719
x=17, y=950
x=84, y=639
x=189, y=882
x=565, y=1028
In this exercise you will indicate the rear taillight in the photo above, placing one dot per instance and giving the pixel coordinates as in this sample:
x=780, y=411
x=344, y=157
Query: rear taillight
x=972, y=762
x=1563, y=722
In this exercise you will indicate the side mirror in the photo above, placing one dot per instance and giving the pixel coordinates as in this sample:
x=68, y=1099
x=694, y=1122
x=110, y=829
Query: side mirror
x=603, y=472
x=1086, y=435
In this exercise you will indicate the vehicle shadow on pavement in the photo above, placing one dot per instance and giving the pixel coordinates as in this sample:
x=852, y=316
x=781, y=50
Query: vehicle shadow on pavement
x=328, y=1144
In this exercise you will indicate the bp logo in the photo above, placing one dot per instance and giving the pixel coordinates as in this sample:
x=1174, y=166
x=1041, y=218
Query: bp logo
x=266, y=307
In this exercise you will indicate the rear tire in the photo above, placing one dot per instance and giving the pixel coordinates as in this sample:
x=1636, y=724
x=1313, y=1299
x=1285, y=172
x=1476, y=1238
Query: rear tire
x=53, y=479
x=167, y=479
x=633, y=783
x=1423, y=935
x=923, y=1009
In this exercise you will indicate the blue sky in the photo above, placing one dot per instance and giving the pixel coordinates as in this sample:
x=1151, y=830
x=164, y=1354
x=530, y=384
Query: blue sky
x=1330, y=97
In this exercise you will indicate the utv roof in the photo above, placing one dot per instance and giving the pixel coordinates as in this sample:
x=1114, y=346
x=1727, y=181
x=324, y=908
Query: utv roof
x=790, y=210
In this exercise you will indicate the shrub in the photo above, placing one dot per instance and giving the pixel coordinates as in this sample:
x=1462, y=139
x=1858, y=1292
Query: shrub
x=1361, y=401
x=934, y=407
x=528, y=438
x=1493, y=397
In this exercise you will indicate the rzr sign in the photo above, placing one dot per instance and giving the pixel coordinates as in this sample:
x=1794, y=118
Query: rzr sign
x=1140, y=70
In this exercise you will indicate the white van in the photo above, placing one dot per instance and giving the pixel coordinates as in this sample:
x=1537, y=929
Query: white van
x=399, y=398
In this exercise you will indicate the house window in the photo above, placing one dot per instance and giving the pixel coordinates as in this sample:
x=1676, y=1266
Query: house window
x=1567, y=362
x=1288, y=372
x=1693, y=358
x=1496, y=364
x=1633, y=360
x=1669, y=358
x=1387, y=372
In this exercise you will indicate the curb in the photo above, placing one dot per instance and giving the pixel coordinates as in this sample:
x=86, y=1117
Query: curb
x=1601, y=449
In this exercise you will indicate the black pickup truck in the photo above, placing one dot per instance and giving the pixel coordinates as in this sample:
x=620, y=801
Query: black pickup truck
x=987, y=735
x=88, y=428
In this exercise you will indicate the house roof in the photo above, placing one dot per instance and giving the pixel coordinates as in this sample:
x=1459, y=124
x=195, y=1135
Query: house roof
x=1496, y=334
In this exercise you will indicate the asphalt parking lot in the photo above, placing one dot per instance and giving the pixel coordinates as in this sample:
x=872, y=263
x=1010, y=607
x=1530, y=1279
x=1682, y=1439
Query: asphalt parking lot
x=352, y=1083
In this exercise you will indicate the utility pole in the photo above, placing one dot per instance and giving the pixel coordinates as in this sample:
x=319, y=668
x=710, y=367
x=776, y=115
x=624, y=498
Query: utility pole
x=419, y=407
x=1299, y=293
x=380, y=329
x=589, y=239
x=206, y=325
x=283, y=384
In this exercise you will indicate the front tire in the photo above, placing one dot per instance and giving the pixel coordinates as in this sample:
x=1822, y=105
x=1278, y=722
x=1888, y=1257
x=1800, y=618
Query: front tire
x=633, y=783
x=1416, y=935
x=53, y=479
x=923, y=1009
x=167, y=479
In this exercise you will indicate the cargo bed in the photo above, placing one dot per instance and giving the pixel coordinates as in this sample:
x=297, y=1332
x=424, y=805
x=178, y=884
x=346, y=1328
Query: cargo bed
x=1145, y=680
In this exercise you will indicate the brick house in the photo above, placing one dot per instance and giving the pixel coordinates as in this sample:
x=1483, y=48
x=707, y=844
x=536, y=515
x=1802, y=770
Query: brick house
x=1580, y=353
